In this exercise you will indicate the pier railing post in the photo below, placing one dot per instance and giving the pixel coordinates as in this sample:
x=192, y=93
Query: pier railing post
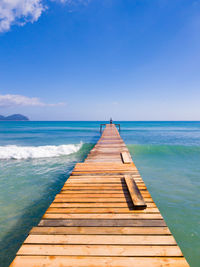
x=101, y=126
x=117, y=124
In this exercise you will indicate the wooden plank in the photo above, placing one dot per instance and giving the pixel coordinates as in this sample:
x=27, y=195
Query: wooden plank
x=102, y=216
x=101, y=180
x=102, y=222
x=96, y=181
x=100, y=210
x=99, y=205
x=109, y=177
x=84, y=165
x=102, y=177
x=107, y=195
x=77, y=261
x=135, y=194
x=101, y=187
x=101, y=239
x=96, y=189
x=104, y=173
x=93, y=191
x=126, y=158
x=101, y=230
x=100, y=250
x=96, y=200
x=101, y=195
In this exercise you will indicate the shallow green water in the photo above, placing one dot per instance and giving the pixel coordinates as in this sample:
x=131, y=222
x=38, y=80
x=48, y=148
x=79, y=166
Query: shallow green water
x=27, y=188
x=172, y=177
x=31, y=173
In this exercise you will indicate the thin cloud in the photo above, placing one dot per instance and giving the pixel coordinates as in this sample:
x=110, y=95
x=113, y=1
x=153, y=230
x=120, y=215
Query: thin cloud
x=20, y=100
x=20, y=12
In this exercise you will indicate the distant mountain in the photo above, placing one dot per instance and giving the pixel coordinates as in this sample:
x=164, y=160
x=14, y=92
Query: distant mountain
x=2, y=118
x=14, y=117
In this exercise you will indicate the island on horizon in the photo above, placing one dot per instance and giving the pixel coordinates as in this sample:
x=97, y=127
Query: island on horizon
x=14, y=117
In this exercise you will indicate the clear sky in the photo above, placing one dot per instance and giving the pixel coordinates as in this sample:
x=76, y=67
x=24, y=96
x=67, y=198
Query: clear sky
x=93, y=59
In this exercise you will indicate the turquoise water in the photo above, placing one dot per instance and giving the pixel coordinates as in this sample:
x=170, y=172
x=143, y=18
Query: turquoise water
x=37, y=157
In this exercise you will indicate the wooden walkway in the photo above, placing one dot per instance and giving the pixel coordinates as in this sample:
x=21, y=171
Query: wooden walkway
x=93, y=221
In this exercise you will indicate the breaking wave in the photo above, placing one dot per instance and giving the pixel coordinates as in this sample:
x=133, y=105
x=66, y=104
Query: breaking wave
x=33, y=152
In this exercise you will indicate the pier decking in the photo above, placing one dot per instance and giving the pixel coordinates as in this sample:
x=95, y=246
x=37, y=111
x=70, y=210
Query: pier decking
x=99, y=217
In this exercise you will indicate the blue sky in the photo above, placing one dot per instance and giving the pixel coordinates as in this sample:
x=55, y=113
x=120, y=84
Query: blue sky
x=90, y=60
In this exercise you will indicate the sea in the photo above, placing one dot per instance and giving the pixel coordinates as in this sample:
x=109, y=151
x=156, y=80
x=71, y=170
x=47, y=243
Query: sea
x=36, y=158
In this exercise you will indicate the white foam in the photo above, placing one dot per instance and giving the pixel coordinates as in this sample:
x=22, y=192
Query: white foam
x=26, y=152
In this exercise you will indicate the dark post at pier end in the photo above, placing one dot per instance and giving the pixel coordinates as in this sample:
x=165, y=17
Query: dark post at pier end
x=111, y=122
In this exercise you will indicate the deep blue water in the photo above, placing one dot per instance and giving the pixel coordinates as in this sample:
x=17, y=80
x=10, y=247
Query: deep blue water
x=33, y=170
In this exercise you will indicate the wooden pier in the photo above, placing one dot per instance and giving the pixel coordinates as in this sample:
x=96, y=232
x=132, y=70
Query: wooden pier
x=103, y=216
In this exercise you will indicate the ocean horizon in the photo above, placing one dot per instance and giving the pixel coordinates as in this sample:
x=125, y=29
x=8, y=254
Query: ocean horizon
x=36, y=158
